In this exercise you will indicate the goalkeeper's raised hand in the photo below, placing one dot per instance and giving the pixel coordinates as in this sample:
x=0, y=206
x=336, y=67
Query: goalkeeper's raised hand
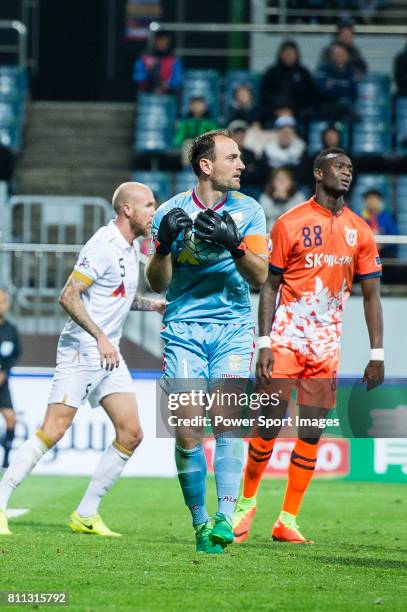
x=171, y=225
x=222, y=230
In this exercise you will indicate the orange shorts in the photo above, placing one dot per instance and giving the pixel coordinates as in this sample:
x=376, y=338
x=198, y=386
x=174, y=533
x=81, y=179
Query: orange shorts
x=315, y=379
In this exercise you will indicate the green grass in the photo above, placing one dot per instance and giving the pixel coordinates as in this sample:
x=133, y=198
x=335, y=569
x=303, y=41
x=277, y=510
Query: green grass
x=358, y=563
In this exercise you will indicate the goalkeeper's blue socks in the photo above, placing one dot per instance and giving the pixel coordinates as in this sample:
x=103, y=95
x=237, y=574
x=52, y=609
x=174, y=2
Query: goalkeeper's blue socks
x=191, y=466
x=228, y=465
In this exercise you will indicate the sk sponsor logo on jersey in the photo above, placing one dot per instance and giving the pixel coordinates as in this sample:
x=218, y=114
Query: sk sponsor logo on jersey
x=317, y=260
x=351, y=236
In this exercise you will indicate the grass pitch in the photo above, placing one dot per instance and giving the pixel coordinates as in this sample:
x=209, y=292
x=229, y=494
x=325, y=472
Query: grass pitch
x=359, y=561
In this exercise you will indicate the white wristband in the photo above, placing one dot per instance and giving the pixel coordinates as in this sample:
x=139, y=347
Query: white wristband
x=377, y=354
x=264, y=342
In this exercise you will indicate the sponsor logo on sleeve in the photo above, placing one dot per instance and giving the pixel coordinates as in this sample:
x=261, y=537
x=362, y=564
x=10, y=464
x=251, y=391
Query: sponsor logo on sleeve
x=84, y=263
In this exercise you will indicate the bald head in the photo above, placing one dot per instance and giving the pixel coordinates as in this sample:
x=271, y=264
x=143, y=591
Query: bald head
x=131, y=194
x=134, y=205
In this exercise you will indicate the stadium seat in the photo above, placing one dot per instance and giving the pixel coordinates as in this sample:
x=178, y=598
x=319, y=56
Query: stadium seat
x=401, y=199
x=372, y=132
x=11, y=137
x=184, y=180
x=315, y=133
x=364, y=182
x=371, y=138
x=155, y=122
x=9, y=88
x=13, y=78
x=203, y=83
x=159, y=183
x=374, y=88
x=9, y=114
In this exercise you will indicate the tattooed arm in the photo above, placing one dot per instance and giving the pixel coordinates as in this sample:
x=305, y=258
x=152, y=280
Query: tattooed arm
x=143, y=303
x=71, y=301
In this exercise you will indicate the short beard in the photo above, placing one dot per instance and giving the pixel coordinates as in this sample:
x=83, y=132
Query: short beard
x=219, y=187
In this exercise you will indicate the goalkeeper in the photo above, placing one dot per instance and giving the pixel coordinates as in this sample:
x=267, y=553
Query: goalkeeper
x=209, y=329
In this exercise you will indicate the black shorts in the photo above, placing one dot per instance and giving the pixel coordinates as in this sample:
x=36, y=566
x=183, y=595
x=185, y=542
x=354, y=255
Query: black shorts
x=5, y=397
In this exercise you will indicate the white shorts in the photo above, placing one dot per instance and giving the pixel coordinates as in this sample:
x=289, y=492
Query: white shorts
x=75, y=383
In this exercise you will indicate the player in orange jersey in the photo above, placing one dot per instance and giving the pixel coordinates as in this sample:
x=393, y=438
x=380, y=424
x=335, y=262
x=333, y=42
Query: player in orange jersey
x=316, y=250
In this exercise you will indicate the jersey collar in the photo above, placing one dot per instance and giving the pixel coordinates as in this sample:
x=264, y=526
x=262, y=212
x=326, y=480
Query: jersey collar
x=203, y=206
x=118, y=236
x=323, y=210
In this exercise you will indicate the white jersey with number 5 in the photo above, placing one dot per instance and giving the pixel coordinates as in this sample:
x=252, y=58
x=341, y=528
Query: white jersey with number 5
x=109, y=265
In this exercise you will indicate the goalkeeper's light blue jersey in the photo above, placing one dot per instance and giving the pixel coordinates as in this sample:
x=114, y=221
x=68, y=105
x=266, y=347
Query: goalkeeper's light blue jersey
x=213, y=292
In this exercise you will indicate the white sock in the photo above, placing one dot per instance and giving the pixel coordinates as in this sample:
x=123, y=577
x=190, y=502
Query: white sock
x=24, y=461
x=107, y=472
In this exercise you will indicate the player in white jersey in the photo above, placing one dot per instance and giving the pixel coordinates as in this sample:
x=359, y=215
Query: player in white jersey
x=98, y=297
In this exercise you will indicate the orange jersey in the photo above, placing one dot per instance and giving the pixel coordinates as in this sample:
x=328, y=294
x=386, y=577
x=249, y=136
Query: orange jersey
x=318, y=254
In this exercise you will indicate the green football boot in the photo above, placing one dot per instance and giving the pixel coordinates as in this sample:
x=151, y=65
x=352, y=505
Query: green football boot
x=222, y=532
x=203, y=540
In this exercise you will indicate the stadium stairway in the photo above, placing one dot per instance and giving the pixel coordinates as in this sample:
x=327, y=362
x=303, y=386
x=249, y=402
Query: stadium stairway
x=75, y=149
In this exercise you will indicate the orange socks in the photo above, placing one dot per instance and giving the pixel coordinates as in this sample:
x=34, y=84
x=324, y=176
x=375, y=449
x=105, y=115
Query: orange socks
x=300, y=472
x=259, y=454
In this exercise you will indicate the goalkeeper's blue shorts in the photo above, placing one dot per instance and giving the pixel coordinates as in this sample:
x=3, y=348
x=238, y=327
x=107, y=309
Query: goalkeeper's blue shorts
x=207, y=351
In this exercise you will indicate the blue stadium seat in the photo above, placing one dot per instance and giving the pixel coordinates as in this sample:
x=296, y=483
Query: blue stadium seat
x=370, y=111
x=153, y=141
x=9, y=114
x=371, y=138
x=373, y=107
x=234, y=78
x=159, y=182
x=155, y=123
x=315, y=133
x=184, y=180
x=364, y=182
x=374, y=88
x=401, y=200
x=202, y=83
x=14, y=78
x=11, y=137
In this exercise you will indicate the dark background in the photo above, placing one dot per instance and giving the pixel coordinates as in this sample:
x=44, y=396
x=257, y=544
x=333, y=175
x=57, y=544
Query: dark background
x=83, y=54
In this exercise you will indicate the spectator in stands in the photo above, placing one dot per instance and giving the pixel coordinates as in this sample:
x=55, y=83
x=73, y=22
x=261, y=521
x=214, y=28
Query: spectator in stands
x=336, y=81
x=287, y=83
x=243, y=106
x=331, y=138
x=280, y=195
x=380, y=220
x=288, y=149
x=194, y=124
x=400, y=71
x=344, y=35
x=256, y=168
x=158, y=70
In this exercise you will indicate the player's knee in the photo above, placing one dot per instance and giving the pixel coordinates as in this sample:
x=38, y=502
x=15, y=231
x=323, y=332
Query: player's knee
x=131, y=438
x=55, y=431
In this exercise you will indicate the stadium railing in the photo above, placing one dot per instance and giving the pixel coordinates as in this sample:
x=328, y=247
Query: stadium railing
x=34, y=275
